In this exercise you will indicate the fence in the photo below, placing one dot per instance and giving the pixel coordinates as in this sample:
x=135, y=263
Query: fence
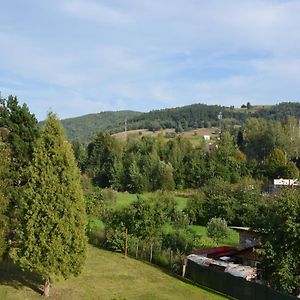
x=153, y=252
x=230, y=285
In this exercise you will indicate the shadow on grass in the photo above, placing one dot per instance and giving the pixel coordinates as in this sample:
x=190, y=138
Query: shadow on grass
x=12, y=275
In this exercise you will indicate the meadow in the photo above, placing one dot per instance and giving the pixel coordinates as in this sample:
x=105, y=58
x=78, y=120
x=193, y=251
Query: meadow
x=107, y=276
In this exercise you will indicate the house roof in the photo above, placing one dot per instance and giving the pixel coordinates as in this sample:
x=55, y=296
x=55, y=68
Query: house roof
x=238, y=228
x=216, y=251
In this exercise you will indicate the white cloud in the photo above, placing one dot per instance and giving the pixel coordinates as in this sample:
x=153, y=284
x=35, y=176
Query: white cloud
x=150, y=54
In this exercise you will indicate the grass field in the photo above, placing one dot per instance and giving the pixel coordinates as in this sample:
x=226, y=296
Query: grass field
x=194, y=135
x=106, y=276
x=124, y=199
x=232, y=240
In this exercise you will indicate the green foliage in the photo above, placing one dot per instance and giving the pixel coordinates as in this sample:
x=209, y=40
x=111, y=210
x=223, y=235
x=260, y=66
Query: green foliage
x=278, y=167
x=280, y=239
x=83, y=128
x=248, y=201
x=98, y=201
x=19, y=131
x=103, y=156
x=262, y=136
x=217, y=229
x=51, y=233
x=218, y=200
x=180, y=240
x=80, y=153
x=195, y=209
x=165, y=176
x=5, y=161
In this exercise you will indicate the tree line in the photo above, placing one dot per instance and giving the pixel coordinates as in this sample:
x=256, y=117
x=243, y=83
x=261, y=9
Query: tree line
x=261, y=149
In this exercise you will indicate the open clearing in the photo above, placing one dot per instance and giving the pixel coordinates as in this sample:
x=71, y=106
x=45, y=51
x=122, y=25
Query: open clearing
x=106, y=276
x=194, y=135
x=124, y=199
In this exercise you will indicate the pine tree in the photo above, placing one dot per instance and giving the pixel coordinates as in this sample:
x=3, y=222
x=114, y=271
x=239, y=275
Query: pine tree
x=19, y=131
x=4, y=184
x=51, y=236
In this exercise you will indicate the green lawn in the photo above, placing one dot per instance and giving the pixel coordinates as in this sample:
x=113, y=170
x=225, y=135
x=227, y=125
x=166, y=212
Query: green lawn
x=232, y=240
x=106, y=276
x=124, y=199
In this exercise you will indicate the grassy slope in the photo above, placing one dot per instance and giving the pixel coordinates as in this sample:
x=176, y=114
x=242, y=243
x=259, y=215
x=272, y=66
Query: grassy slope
x=195, y=136
x=107, y=275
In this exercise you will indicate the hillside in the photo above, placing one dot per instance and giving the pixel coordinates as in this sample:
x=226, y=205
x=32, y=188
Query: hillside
x=84, y=127
x=202, y=115
x=182, y=118
x=106, y=276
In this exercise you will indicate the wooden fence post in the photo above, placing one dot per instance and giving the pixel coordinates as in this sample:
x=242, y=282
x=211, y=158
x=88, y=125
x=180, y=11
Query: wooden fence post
x=151, y=252
x=126, y=242
x=137, y=250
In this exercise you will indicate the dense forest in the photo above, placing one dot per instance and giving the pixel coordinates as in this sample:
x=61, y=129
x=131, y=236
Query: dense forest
x=48, y=206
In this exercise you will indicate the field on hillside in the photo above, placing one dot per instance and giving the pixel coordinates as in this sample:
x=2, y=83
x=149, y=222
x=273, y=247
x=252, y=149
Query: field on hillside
x=106, y=276
x=194, y=135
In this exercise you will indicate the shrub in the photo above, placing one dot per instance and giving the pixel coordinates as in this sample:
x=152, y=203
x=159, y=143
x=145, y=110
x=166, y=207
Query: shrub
x=217, y=229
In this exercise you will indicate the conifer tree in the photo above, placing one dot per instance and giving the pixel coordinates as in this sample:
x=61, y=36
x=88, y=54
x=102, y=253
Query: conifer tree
x=4, y=184
x=19, y=131
x=51, y=236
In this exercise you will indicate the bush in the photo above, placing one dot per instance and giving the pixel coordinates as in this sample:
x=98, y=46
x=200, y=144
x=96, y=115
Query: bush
x=217, y=229
x=162, y=259
x=96, y=237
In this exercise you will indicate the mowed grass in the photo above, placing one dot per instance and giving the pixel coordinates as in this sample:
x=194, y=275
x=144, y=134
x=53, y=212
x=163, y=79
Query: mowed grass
x=106, y=276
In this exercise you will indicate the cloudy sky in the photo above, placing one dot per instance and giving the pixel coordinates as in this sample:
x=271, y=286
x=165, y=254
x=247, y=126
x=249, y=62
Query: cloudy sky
x=83, y=56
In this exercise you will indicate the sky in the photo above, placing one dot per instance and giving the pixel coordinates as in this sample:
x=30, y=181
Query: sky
x=76, y=57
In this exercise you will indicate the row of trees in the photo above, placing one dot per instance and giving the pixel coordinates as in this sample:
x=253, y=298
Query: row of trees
x=42, y=215
x=261, y=149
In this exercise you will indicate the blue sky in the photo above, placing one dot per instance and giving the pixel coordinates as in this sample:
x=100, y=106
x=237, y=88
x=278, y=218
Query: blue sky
x=75, y=57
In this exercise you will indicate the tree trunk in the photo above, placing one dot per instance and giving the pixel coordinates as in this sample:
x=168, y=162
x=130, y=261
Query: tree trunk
x=47, y=289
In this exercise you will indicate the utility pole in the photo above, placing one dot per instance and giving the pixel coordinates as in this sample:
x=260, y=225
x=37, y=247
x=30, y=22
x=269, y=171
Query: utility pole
x=220, y=121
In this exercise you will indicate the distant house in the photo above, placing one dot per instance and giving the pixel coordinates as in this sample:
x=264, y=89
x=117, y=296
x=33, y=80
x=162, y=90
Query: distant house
x=206, y=137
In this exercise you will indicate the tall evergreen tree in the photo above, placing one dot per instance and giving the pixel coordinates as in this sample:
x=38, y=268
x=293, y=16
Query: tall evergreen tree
x=4, y=184
x=19, y=131
x=51, y=234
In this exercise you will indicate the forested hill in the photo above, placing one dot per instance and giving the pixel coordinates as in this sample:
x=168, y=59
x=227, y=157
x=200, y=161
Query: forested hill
x=84, y=127
x=201, y=115
x=181, y=118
